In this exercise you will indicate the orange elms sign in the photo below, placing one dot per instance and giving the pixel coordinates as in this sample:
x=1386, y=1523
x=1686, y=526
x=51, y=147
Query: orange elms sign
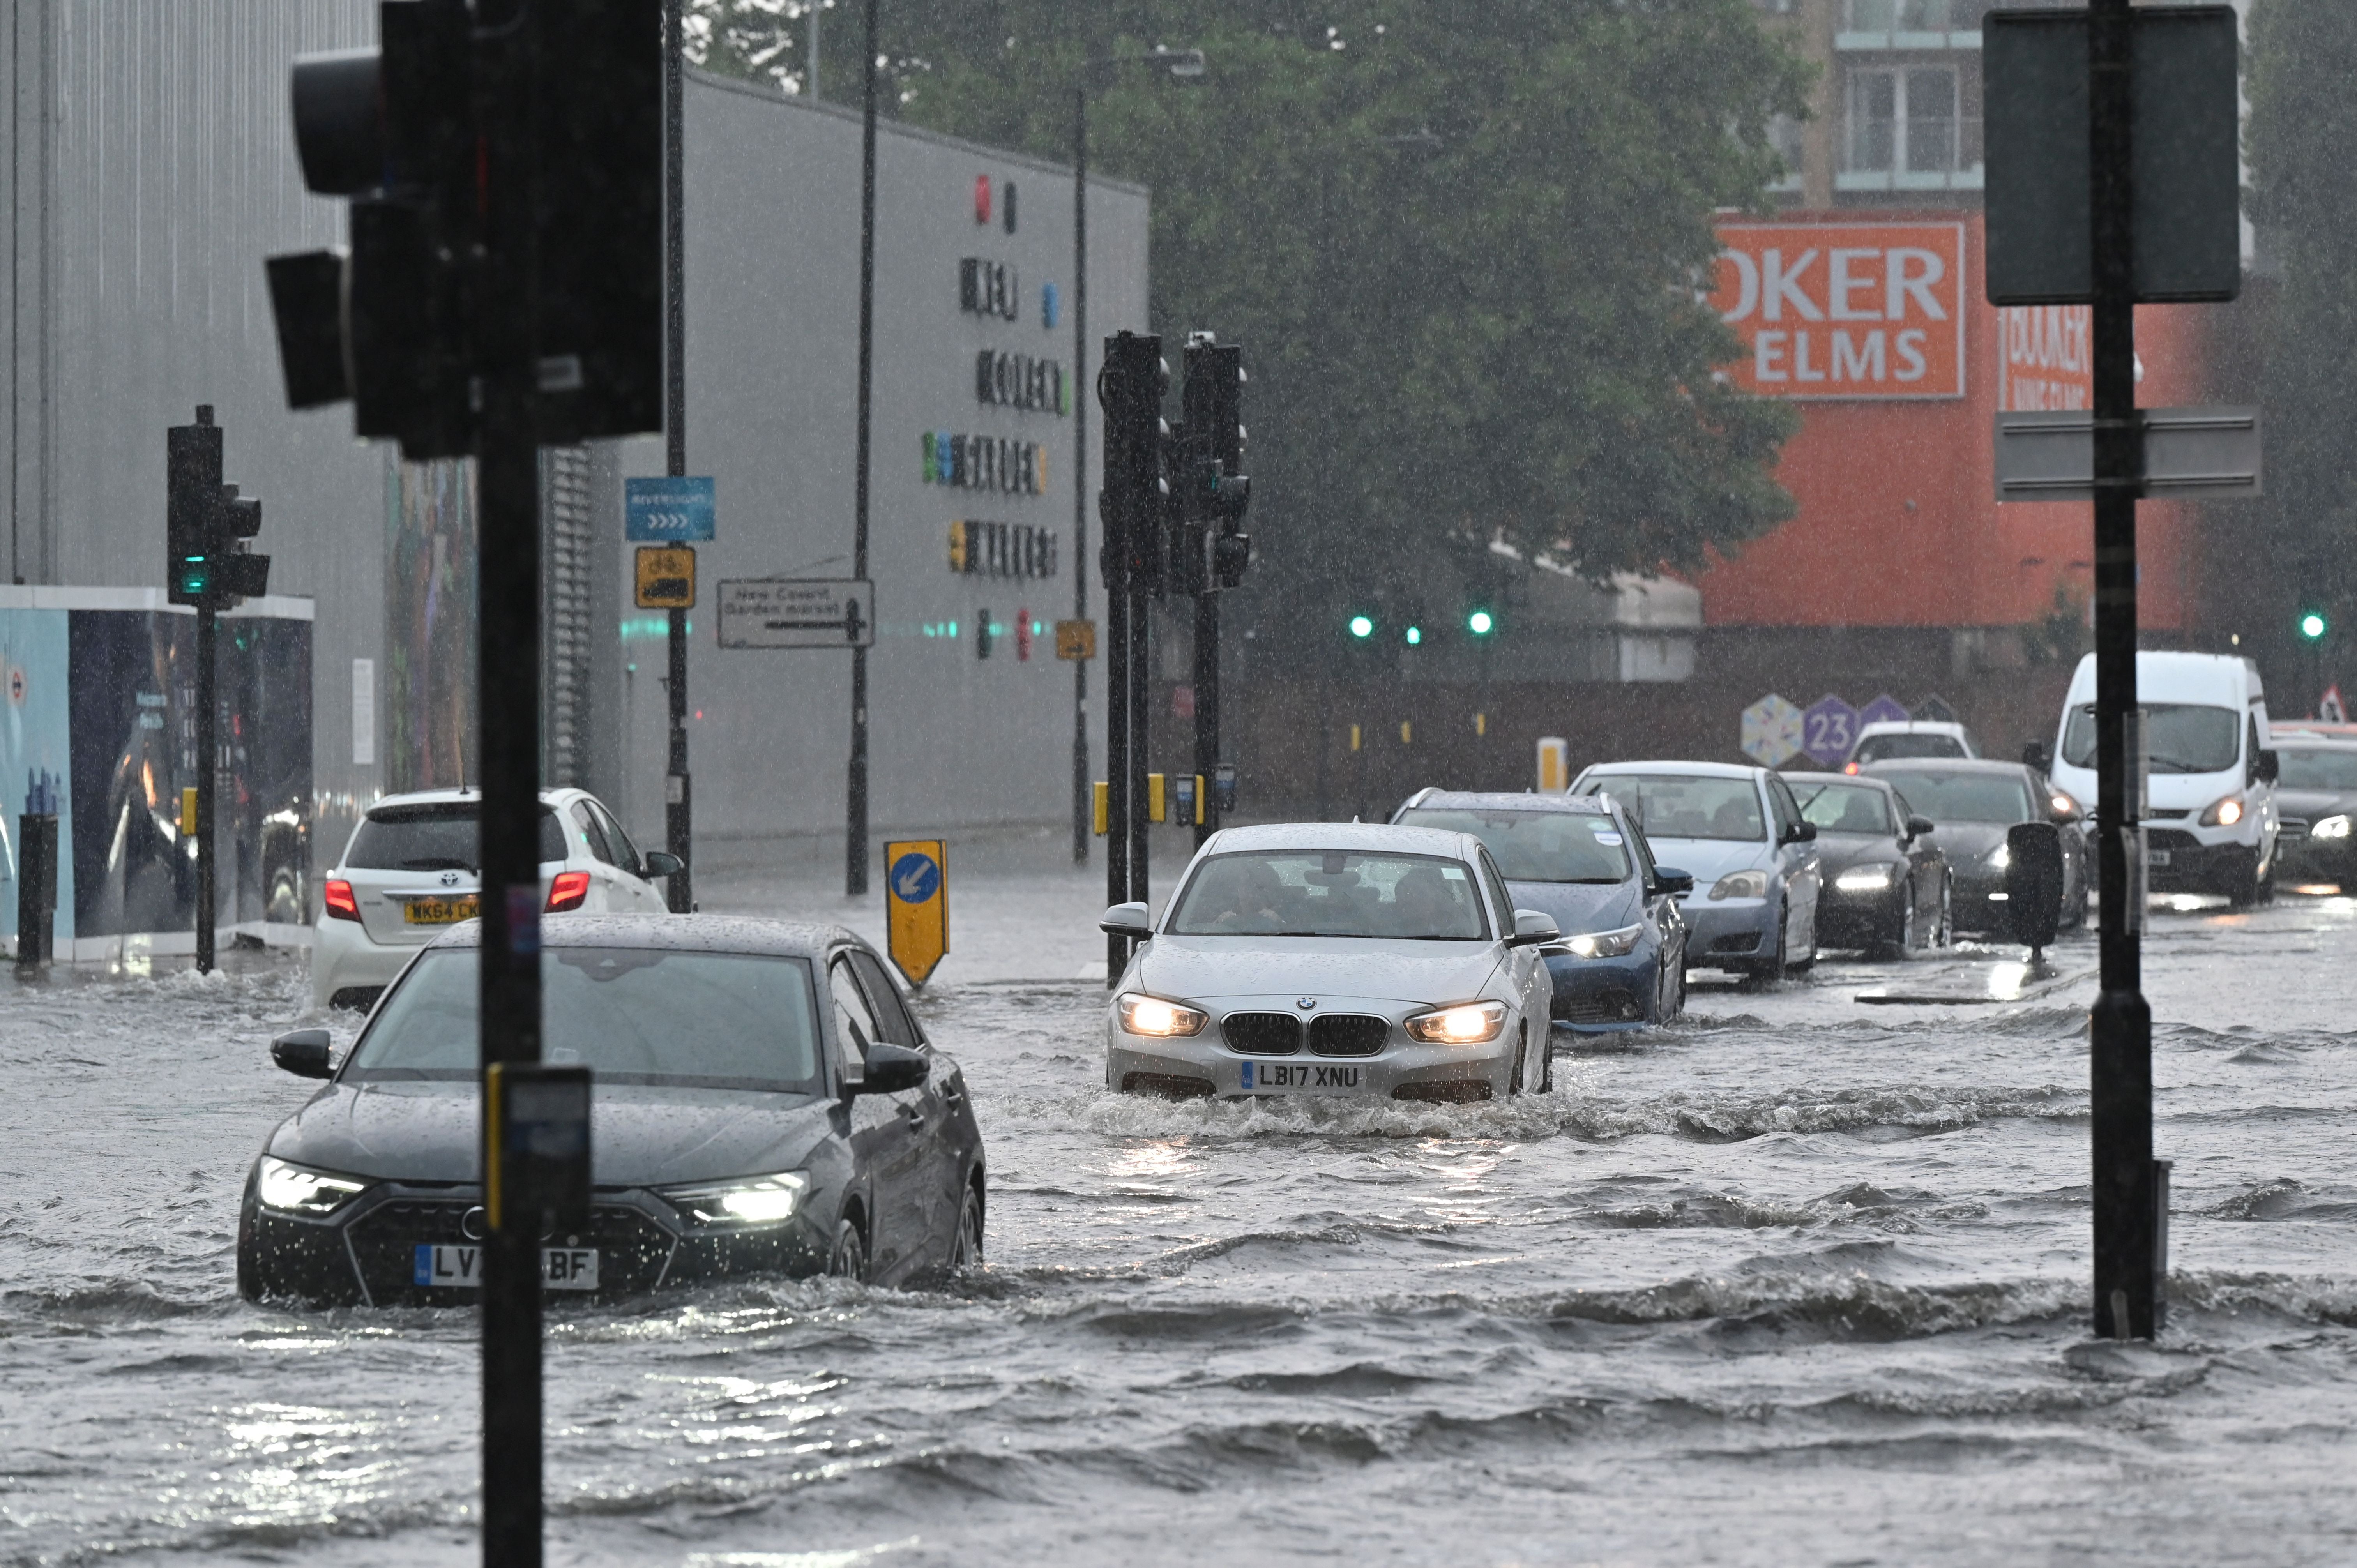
x=1844, y=310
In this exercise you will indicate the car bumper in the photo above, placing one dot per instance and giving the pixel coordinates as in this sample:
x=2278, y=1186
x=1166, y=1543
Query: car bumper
x=344, y=957
x=2317, y=860
x=1205, y=1066
x=1734, y=931
x=366, y=1255
x=1860, y=920
x=1602, y=996
x=2193, y=866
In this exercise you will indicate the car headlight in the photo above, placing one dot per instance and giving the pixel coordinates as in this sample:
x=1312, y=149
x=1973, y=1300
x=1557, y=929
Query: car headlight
x=1740, y=884
x=1144, y=1014
x=2224, y=813
x=2000, y=857
x=1867, y=878
x=741, y=1202
x=291, y=1189
x=1604, y=944
x=2330, y=828
x=1465, y=1026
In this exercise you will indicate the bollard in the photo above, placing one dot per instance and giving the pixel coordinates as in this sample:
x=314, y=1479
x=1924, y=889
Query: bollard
x=37, y=888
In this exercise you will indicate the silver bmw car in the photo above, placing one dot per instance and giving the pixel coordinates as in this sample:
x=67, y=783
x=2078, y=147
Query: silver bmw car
x=1321, y=959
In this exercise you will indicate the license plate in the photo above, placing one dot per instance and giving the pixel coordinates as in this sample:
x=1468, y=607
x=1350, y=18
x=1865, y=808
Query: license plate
x=2157, y=857
x=462, y=1268
x=1276, y=1077
x=440, y=911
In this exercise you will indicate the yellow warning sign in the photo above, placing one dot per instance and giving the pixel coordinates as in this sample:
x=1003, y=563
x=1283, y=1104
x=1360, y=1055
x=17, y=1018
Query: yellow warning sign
x=917, y=905
x=1076, y=640
x=666, y=577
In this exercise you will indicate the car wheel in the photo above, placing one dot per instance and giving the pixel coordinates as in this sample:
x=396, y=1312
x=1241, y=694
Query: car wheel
x=965, y=1251
x=1902, y=943
x=1522, y=1050
x=849, y=1258
x=1547, y=1063
x=1773, y=970
x=1946, y=936
x=2241, y=885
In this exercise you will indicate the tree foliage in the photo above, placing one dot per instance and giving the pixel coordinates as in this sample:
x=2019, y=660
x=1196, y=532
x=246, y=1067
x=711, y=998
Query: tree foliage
x=1459, y=239
x=2303, y=126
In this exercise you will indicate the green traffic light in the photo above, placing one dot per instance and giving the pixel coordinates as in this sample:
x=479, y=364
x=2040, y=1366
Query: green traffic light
x=1415, y=635
x=2311, y=626
x=1481, y=623
x=1361, y=626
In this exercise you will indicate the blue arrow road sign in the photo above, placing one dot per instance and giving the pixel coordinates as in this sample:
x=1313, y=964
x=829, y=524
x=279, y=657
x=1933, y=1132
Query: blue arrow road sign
x=668, y=511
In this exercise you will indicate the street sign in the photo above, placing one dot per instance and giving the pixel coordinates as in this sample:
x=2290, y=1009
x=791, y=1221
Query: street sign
x=2185, y=165
x=666, y=577
x=668, y=511
x=1828, y=729
x=1885, y=709
x=1771, y=732
x=2189, y=454
x=917, y=905
x=1076, y=640
x=798, y=612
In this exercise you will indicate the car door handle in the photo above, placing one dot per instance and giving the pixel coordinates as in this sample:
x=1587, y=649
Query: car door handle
x=916, y=1118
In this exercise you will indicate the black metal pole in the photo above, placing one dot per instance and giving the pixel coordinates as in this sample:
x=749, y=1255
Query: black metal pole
x=855, y=847
x=1082, y=391
x=508, y=744
x=1113, y=553
x=679, y=822
x=1207, y=709
x=2127, y=1224
x=1141, y=739
x=208, y=779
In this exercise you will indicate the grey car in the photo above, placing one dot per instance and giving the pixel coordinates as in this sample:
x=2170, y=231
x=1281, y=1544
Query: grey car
x=1333, y=959
x=763, y=1104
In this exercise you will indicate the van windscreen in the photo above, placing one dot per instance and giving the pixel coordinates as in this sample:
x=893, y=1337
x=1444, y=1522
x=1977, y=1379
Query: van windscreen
x=2180, y=737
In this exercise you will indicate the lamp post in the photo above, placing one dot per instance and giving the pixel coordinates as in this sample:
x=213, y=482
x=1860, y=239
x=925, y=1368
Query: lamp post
x=1181, y=63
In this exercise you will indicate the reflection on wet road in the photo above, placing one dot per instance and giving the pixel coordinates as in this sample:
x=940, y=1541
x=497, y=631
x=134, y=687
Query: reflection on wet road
x=1797, y=1281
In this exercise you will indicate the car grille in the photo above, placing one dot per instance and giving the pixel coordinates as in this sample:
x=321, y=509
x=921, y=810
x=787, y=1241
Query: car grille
x=1169, y=1085
x=631, y=1247
x=1612, y=1005
x=2170, y=839
x=1262, y=1034
x=1741, y=941
x=1347, y=1034
x=1445, y=1092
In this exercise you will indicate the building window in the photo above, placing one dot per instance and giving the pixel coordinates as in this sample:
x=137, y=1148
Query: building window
x=1903, y=121
x=1784, y=136
x=1897, y=16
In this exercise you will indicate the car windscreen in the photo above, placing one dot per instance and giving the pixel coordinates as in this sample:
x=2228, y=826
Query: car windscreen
x=2317, y=768
x=2180, y=737
x=1673, y=806
x=1538, y=846
x=1964, y=797
x=1882, y=748
x=632, y=1016
x=440, y=837
x=1846, y=809
x=1331, y=893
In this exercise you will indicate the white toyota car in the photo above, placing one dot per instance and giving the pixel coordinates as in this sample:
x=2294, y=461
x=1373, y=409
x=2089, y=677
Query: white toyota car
x=409, y=870
x=1319, y=958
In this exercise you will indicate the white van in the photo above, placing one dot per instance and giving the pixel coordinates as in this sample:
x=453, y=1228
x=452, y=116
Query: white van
x=2211, y=809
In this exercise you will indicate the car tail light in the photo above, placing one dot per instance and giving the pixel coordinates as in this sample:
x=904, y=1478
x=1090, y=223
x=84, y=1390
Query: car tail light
x=336, y=896
x=1850, y=768
x=569, y=891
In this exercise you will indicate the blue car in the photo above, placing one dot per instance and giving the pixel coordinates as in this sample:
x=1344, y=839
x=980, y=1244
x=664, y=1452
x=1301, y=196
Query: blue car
x=1620, y=963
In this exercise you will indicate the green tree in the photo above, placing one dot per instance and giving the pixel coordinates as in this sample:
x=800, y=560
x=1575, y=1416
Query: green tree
x=1459, y=239
x=2302, y=58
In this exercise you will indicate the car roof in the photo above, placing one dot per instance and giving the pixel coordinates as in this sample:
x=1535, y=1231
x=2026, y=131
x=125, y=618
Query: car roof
x=1681, y=770
x=1912, y=726
x=466, y=794
x=1361, y=836
x=675, y=933
x=1507, y=801
x=2296, y=739
x=1942, y=765
x=1850, y=777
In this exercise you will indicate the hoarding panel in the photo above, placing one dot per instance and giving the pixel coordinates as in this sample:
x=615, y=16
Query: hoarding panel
x=1844, y=310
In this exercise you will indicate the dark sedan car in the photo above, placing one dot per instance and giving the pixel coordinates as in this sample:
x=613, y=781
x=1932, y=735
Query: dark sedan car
x=1975, y=804
x=1886, y=882
x=2316, y=784
x=764, y=1103
x=1621, y=962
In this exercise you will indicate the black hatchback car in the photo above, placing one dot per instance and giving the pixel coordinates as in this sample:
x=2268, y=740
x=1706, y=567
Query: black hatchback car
x=1886, y=882
x=763, y=1104
x=1975, y=804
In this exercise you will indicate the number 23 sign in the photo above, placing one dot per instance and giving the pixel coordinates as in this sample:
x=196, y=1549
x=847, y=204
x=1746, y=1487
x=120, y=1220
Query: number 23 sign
x=1828, y=730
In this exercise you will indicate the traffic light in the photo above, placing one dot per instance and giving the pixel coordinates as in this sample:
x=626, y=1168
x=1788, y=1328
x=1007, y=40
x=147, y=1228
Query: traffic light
x=395, y=321
x=2313, y=626
x=206, y=522
x=1414, y=635
x=1481, y=623
x=1362, y=627
x=1213, y=491
x=1132, y=506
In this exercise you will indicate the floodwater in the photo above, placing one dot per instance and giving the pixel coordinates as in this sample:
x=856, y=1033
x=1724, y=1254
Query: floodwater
x=1800, y=1282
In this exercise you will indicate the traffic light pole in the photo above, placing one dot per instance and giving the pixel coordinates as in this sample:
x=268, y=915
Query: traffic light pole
x=208, y=778
x=2128, y=1189
x=679, y=822
x=507, y=655
x=1117, y=712
x=1207, y=711
x=1082, y=391
x=854, y=837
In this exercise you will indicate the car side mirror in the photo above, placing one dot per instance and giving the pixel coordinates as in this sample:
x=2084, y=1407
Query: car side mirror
x=1533, y=927
x=1918, y=826
x=1799, y=832
x=1675, y=882
x=891, y=1068
x=304, y=1052
x=2270, y=766
x=662, y=862
x=1132, y=920
x=2038, y=754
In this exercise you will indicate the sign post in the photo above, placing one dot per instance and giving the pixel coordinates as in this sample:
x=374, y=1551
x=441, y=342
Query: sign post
x=917, y=905
x=791, y=612
x=678, y=508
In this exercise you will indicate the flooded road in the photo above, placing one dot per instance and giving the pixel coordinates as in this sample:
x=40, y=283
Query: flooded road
x=1799, y=1282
